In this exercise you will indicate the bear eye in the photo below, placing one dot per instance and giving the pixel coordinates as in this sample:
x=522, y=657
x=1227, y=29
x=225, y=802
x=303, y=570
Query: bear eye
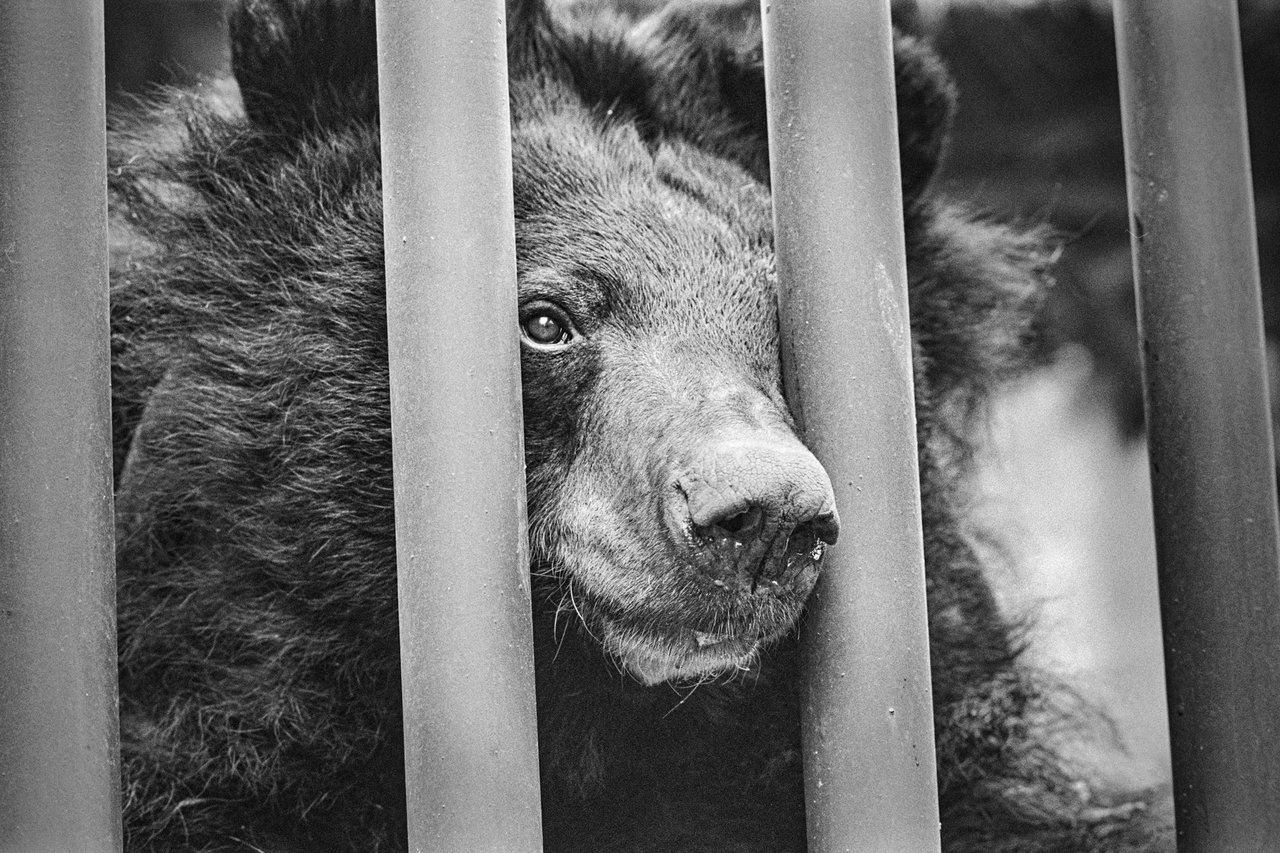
x=544, y=325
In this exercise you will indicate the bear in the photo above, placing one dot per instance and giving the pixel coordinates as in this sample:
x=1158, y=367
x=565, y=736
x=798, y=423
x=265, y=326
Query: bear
x=258, y=639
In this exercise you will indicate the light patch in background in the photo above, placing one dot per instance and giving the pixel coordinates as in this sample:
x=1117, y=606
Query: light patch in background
x=1071, y=500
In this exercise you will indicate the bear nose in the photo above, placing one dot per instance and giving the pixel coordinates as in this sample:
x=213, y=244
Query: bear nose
x=750, y=524
x=750, y=506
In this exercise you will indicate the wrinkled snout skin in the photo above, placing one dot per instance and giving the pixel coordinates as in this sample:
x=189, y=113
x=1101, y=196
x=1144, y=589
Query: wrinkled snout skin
x=754, y=506
x=672, y=505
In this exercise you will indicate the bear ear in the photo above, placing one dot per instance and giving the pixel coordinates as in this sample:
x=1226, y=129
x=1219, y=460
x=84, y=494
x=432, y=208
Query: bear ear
x=305, y=63
x=705, y=61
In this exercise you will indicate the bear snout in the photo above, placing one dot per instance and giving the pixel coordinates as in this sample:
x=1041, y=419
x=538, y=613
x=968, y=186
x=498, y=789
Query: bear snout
x=753, y=510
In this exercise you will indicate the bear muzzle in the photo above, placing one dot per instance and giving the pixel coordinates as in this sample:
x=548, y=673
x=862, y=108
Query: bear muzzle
x=753, y=513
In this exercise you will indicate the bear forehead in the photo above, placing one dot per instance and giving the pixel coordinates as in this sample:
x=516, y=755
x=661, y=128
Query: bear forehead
x=640, y=224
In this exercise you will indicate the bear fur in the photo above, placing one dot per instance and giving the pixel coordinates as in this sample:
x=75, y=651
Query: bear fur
x=259, y=672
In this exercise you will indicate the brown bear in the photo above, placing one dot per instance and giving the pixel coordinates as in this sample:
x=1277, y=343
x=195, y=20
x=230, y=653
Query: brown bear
x=259, y=672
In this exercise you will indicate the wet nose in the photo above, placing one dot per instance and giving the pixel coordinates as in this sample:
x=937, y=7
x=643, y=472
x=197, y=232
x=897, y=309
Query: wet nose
x=752, y=523
x=750, y=507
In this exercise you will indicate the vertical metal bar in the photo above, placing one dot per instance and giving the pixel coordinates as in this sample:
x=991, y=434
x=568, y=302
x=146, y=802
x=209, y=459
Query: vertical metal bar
x=1196, y=266
x=868, y=725
x=59, y=767
x=465, y=619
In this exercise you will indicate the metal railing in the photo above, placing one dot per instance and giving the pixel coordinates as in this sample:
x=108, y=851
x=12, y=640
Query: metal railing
x=837, y=196
x=1195, y=260
x=59, y=773
x=466, y=647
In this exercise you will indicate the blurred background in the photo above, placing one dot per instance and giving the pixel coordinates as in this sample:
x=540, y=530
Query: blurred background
x=1063, y=485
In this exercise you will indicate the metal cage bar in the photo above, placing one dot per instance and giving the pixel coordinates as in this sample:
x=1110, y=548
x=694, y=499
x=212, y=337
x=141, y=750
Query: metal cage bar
x=59, y=766
x=869, y=764
x=1196, y=270
x=471, y=749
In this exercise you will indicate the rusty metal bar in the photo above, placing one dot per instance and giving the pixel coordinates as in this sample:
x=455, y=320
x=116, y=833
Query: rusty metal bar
x=59, y=766
x=1196, y=268
x=868, y=724
x=471, y=746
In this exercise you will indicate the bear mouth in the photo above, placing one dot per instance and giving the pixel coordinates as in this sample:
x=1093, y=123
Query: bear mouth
x=681, y=655
x=677, y=639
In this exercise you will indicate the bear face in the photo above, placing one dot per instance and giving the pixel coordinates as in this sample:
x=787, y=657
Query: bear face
x=677, y=522
x=686, y=550
x=667, y=247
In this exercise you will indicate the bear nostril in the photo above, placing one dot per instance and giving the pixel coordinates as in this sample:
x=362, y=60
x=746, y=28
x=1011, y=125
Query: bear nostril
x=805, y=538
x=826, y=527
x=741, y=527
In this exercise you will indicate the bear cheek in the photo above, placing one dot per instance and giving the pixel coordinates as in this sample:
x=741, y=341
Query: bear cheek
x=606, y=538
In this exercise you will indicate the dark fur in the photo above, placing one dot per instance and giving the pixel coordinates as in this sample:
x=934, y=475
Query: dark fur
x=259, y=672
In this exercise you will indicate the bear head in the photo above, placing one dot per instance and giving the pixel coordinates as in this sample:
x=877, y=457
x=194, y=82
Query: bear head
x=673, y=507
